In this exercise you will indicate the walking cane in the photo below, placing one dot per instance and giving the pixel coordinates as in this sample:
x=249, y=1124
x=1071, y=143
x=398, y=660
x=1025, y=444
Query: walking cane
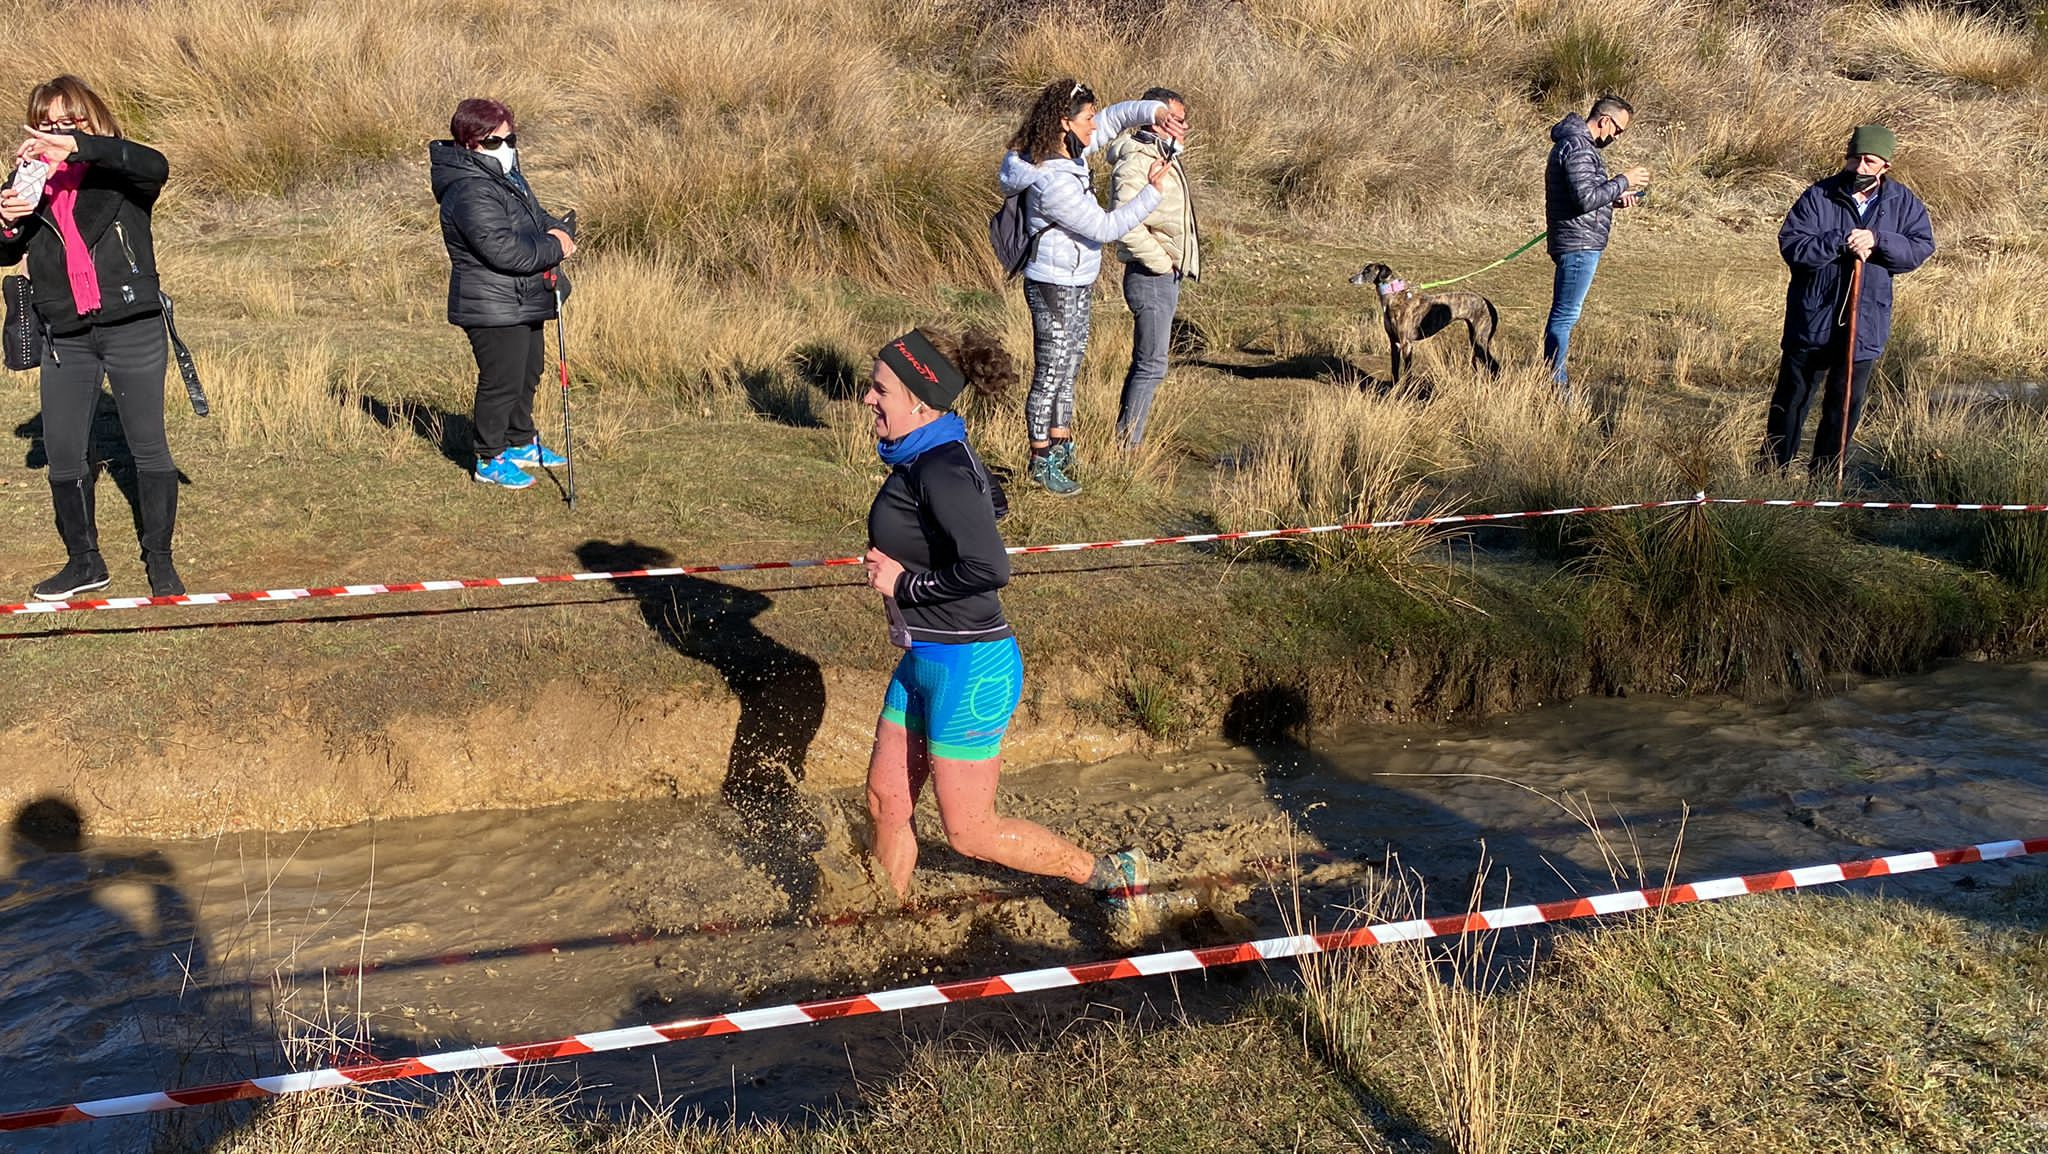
x=562, y=361
x=1848, y=376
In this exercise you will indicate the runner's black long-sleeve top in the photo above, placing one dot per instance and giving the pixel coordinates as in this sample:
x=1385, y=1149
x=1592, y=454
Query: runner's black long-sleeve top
x=934, y=515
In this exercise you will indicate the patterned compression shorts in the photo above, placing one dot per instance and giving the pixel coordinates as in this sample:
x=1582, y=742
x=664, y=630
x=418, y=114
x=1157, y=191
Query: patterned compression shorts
x=958, y=697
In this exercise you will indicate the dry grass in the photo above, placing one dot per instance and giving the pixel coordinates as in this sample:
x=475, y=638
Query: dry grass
x=1343, y=456
x=1768, y=1025
x=1940, y=45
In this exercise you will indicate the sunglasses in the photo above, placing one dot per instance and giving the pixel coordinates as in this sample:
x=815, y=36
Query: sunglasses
x=509, y=140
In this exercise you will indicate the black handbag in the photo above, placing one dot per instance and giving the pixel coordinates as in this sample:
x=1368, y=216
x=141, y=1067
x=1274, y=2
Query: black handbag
x=24, y=331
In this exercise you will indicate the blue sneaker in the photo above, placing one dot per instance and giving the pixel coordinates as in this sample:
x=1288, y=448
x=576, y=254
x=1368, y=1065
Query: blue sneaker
x=535, y=454
x=500, y=471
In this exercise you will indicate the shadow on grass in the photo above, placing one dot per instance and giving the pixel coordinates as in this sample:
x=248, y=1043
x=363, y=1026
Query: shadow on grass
x=1321, y=367
x=106, y=448
x=448, y=432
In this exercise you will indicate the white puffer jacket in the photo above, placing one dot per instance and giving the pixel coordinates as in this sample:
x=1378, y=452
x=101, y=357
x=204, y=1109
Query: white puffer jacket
x=1070, y=252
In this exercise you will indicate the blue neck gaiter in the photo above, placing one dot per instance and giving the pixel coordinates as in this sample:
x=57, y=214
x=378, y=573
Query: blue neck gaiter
x=906, y=448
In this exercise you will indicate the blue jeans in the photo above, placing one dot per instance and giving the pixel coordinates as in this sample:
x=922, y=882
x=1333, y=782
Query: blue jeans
x=1567, y=301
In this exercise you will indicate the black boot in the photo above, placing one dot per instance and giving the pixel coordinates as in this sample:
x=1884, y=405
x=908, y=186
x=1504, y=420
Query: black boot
x=84, y=572
x=159, y=498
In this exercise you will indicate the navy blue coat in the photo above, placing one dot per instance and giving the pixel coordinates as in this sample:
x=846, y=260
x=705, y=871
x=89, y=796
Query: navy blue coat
x=1811, y=243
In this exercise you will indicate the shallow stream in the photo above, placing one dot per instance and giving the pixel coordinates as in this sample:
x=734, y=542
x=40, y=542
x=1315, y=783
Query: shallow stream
x=128, y=966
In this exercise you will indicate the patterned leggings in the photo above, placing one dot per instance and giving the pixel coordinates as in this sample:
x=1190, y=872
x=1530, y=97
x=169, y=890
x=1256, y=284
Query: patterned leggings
x=1059, y=336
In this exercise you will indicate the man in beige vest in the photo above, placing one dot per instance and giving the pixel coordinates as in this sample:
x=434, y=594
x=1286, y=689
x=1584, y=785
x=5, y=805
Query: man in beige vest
x=1157, y=255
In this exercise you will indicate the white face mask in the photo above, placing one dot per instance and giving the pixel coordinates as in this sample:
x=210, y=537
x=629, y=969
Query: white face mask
x=504, y=154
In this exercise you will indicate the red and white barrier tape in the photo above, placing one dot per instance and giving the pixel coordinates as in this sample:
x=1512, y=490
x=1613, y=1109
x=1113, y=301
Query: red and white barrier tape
x=381, y=589
x=1895, y=505
x=1028, y=981
x=190, y=599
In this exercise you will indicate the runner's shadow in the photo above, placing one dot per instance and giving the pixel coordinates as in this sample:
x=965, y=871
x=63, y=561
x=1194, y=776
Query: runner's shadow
x=102, y=988
x=781, y=696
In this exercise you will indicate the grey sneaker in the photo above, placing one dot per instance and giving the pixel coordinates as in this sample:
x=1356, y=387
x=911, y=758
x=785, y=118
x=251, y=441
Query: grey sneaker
x=1049, y=473
x=1129, y=904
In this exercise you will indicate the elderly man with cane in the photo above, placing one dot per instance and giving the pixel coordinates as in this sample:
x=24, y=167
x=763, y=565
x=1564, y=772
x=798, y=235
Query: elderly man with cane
x=1845, y=239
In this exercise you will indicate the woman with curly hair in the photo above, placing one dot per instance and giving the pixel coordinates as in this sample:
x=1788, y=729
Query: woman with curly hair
x=937, y=559
x=1049, y=156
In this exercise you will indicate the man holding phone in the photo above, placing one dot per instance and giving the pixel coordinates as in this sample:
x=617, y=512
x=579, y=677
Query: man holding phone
x=1157, y=254
x=1579, y=200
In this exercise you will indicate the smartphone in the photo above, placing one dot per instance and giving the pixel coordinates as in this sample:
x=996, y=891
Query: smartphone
x=28, y=180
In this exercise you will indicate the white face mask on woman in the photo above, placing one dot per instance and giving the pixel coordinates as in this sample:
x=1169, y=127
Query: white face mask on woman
x=504, y=154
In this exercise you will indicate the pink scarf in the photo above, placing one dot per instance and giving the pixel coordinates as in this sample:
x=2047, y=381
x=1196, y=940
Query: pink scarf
x=85, y=279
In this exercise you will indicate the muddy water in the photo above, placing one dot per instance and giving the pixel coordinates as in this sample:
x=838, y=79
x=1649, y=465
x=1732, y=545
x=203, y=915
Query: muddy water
x=128, y=966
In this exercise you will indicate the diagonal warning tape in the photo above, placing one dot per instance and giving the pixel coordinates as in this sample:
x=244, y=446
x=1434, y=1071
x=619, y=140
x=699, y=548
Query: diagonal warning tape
x=385, y=588
x=379, y=589
x=1953, y=507
x=1051, y=978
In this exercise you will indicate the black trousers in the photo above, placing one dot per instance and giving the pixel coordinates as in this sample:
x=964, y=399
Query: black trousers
x=131, y=356
x=509, y=362
x=1800, y=374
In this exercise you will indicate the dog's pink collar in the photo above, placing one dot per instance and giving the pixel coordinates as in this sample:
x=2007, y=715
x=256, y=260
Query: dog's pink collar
x=1393, y=286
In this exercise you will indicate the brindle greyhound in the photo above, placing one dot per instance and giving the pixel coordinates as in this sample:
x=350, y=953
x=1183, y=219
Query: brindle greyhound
x=1412, y=316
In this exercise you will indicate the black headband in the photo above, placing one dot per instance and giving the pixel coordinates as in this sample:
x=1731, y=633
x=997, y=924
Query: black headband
x=921, y=367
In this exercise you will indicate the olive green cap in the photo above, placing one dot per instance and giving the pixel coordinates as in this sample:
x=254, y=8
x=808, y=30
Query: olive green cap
x=1873, y=140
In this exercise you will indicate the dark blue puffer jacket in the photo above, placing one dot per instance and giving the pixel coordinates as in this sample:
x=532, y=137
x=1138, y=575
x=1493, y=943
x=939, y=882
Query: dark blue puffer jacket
x=1811, y=243
x=1578, y=195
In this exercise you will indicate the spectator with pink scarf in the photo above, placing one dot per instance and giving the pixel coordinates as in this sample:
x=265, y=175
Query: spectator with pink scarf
x=92, y=263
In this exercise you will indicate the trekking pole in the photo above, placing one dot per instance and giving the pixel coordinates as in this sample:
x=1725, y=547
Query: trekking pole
x=562, y=362
x=1848, y=376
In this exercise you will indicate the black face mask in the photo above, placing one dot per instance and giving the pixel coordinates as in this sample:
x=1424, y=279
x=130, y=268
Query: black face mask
x=1865, y=185
x=1604, y=143
x=1075, y=145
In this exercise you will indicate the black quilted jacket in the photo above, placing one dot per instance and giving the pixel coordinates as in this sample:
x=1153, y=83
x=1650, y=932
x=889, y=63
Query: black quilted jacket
x=1578, y=195
x=498, y=242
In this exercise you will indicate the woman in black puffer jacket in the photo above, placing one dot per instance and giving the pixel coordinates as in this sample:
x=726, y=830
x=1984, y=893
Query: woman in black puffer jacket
x=92, y=264
x=503, y=249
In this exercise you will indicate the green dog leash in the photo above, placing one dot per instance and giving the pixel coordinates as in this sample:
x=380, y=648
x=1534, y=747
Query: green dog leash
x=1526, y=246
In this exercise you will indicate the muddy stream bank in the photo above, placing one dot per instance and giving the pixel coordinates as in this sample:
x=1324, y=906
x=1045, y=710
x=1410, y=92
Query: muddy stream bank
x=128, y=964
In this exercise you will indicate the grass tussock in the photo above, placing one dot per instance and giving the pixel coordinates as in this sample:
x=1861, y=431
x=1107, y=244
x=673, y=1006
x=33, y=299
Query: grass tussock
x=1960, y=449
x=1936, y=44
x=1772, y=1024
x=1342, y=457
x=1741, y=599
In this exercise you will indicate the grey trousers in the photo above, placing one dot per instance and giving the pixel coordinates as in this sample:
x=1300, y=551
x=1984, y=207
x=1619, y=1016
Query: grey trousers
x=1153, y=297
x=131, y=356
x=1059, y=337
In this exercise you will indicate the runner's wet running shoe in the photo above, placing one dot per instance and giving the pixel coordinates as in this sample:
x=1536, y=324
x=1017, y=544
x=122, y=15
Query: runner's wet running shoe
x=500, y=471
x=1128, y=901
